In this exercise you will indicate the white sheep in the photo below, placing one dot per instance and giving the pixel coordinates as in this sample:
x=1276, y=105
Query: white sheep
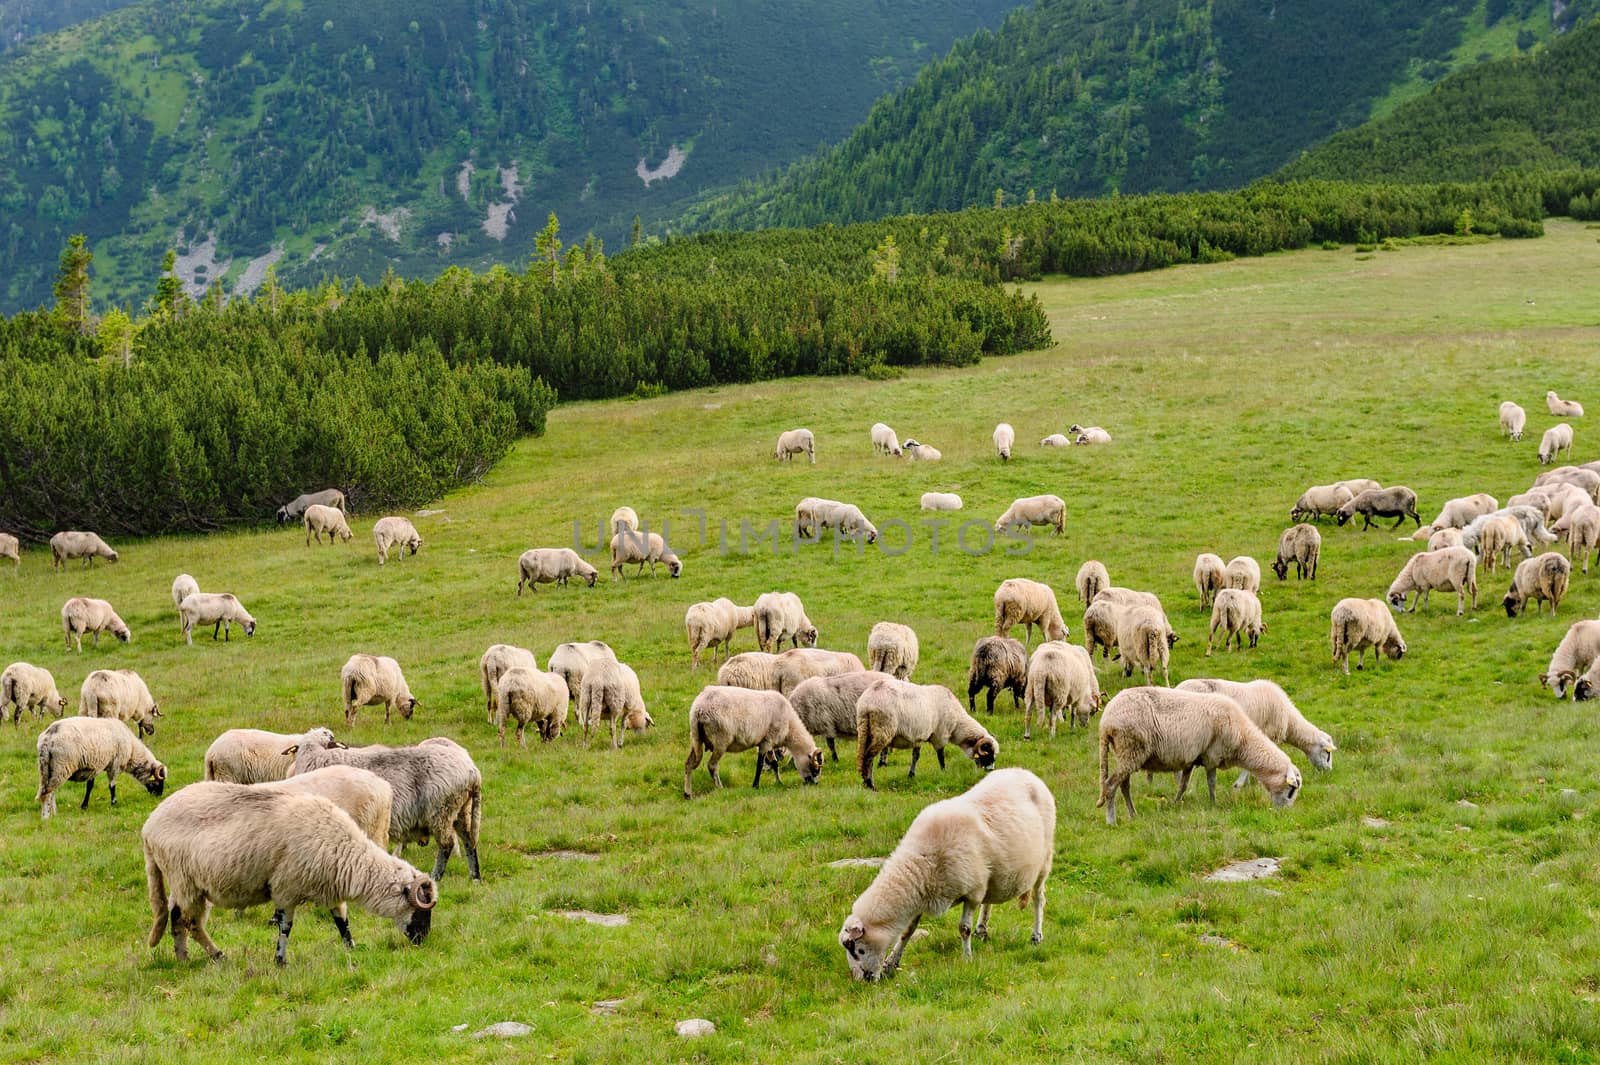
x=319, y=519
x=1210, y=576
x=1274, y=713
x=1048, y=510
x=81, y=615
x=368, y=679
x=1563, y=497
x=1358, y=624
x=1512, y=419
x=920, y=452
x=1142, y=641
x=1574, y=658
x=1356, y=485
x=530, y=697
x=66, y=546
x=802, y=663
x=642, y=548
x=1583, y=533
x=11, y=547
x=998, y=663
x=1055, y=440
x=1318, y=500
x=1556, y=439
x=1563, y=408
x=1005, y=438
x=361, y=793
x=495, y=661
x=80, y=748
x=295, y=510
x=750, y=669
x=992, y=844
x=1458, y=513
x=1301, y=545
x=714, y=624
x=220, y=610
x=832, y=514
x=827, y=705
x=1237, y=613
x=781, y=616
x=884, y=442
x=552, y=565
x=249, y=756
x=809, y=514
x=1502, y=534
x=29, y=687
x=1244, y=572
x=1020, y=601
x=1543, y=579
x=120, y=694
x=1442, y=538
x=1585, y=478
x=183, y=586
x=940, y=501
x=1061, y=681
x=1092, y=577
x=892, y=648
x=623, y=519
x=1100, y=628
x=796, y=442
x=725, y=720
x=898, y=714
x=572, y=661
x=395, y=532
x=1452, y=569
x=1091, y=435
x=610, y=692
x=1532, y=520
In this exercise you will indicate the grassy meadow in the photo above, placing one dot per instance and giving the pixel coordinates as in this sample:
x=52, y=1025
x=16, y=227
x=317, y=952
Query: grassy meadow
x=1437, y=896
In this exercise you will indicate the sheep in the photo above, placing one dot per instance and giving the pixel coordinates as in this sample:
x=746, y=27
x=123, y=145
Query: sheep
x=611, y=692
x=892, y=649
x=495, y=661
x=220, y=609
x=1444, y=538
x=1584, y=478
x=1574, y=659
x=120, y=694
x=724, y=720
x=1530, y=518
x=991, y=844
x=438, y=791
x=1356, y=485
x=572, y=661
x=183, y=586
x=1542, y=578
x=368, y=679
x=827, y=705
x=802, y=663
x=1019, y=601
x=530, y=697
x=1210, y=576
x=11, y=547
x=998, y=663
x=1106, y=613
x=1055, y=440
x=848, y=519
x=940, y=501
x=1583, y=533
x=1458, y=513
x=629, y=547
x=1244, y=572
x=809, y=514
x=552, y=565
x=229, y=845
x=1501, y=535
x=884, y=442
x=714, y=625
x=1358, y=624
x=66, y=546
x=1398, y=503
x=395, y=532
x=81, y=615
x=1142, y=633
x=623, y=518
x=1449, y=568
x=1100, y=628
x=795, y=442
x=750, y=669
x=1533, y=497
x=1275, y=714
x=1126, y=597
x=29, y=687
x=1302, y=545
x=1563, y=497
x=80, y=748
x=249, y=756
x=1092, y=577
x=1060, y=680
x=320, y=519
x=781, y=616
x=294, y=511
x=1092, y=435
x=1048, y=510
x=1173, y=732
x=1512, y=419
x=1237, y=613
x=919, y=452
x=1320, y=500
x=899, y=714
x=1004, y=438
x=1556, y=439
x=362, y=794
x=1563, y=408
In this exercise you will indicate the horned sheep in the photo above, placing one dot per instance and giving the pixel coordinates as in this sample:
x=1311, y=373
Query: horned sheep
x=120, y=694
x=29, y=687
x=898, y=714
x=796, y=442
x=725, y=720
x=320, y=519
x=1023, y=513
x=395, y=532
x=714, y=624
x=610, y=692
x=1512, y=419
x=1019, y=601
x=219, y=609
x=1237, y=613
x=368, y=679
x=1092, y=577
x=998, y=663
x=1005, y=438
x=81, y=748
x=1061, y=681
x=1358, y=624
x=530, y=697
x=781, y=616
x=1301, y=545
x=552, y=565
x=1210, y=576
x=81, y=615
x=827, y=705
x=495, y=661
x=295, y=510
x=892, y=648
x=1543, y=579
x=66, y=546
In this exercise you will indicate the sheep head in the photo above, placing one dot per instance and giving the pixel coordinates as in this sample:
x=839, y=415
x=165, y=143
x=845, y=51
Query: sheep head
x=1281, y=568
x=1284, y=794
x=865, y=950
x=1321, y=753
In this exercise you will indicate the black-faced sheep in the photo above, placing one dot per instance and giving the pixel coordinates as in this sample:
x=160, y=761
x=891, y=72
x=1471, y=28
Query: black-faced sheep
x=293, y=511
x=1542, y=579
x=1398, y=503
x=1447, y=569
x=1237, y=615
x=121, y=694
x=1300, y=545
x=220, y=610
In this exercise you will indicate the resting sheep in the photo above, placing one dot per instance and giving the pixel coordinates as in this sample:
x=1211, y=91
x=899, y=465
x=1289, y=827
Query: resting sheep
x=898, y=714
x=66, y=546
x=183, y=586
x=629, y=547
x=250, y=756
x=1452, y=569
x=998, y=663
x=1563, y=408
x=572, y=661
x=29, y=687
x=1302, y=545
x=1319, y=500
x=714, y=624
x=395, y=532
x=1210, y=576
x=884, y=442
x=1358, y=624
x=328, y=497
x=320, y=519
x=827, y=705
x=1005, y=438
x=610, y=692
x=919, y=452
x=1055, y=440
x=368, y=679
x=1398, y=503
x=1092, y=577
x=892, y=648
x=120, y=694
x=94, y=616
x=1512, y=419
x=552, y=565
x=80, y=748
x=530, y=697
x=781, y=616
x=1092, y=435
x=495, y=661
x=725, y=720
x=1502, y=534
x=1019, y=601
x=1574, y=660
x=796, y=442
x=220, y=610
x=1034, y=510
x=1556, y=439
x=1542, y=579
x=1237, y=613
x=941, y=501
x=1274, y=713
x=1060, y=681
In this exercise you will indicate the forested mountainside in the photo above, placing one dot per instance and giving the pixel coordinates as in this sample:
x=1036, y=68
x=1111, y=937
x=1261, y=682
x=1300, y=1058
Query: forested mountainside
x=21, y=19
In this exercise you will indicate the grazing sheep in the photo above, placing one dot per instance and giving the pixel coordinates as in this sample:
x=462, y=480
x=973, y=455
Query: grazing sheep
x=1302, y=545
x=1163, y=731
x=120, y=694
x=552, y=565
x=623, y=519
x=629, y=547
x=66, y=546
x=495, y=661
x=218, y=609
x=848, y=519
x=1142, y=633
x=992, y=844
x=1444, y=538
x=796, y=442
x=1531, y=519
x=898, y=714
x=368, y=679
x=1092, y=577
x=80, y=748
x=1584, y=478
x=249, y=756
x=572, y=661
x=1458, y=513
x=1237, y=613
x=1563, y=408
x=714, y=624
x=183, y=586
x=1244, y=572
x=1533, y=497
x=1398, y=503
x=1512, y=419
x=941, y=501
x=1447, y=569
x=1034, y=510
x=1210, y=576
x=1019, y=601
x=1501, y=535
x=1563, y=497
x=1126, y=597
x=610, y=692
x=1060, y=681
x=328, y=497
x=11, y=548
x=809, y=514
x=1320, y=500
x=320, y=519
x=1356, y=485
x=1588, y=685
x=1583, y=533
x=395, y=532
x=530, y=697
x=919, y=452
x=361, y=793
x=81, y=615
x=781, y=616
x=724, y=720
x=750, y=669
x=802, y=663
x=438, y=791
x=1274, y=713
x=228, y=845
x=1574, y=658
x=827, y=705
x=1556, y=439
x=892, y=649
x=1055, y=440
x=1543, y=578
x=1100, y=628
x=1092, y=435
x=1004, y=439
x=998, y=663
x=29, y=687
x=884, y=442
x=1362, y=623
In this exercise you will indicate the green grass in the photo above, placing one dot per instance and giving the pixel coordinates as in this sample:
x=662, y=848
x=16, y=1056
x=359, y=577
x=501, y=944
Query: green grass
x=1460, y=933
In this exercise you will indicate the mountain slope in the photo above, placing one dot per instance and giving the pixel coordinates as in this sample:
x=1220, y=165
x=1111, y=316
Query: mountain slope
x=21, y=19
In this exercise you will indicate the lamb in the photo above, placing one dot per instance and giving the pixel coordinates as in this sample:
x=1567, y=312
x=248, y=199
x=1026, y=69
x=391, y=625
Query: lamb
x=940, y=501
x=1444, y=538
x=1004, y=438
x=714, y=625
x=919, y=452
x=1574, y=658
x=120, y=694
x=81, y=748
x=1244, y=572
x=368, y=679
x=1055, y=440
x=1175, y=731
x=751, y=669
x=1556, y=439
x=1583, y=534
x=1048, y=510
x=1398, y=503
x=991, y=844
x=1092, y=435
x=724, y=720
x=623, y=518
x=320, y=519
x=29, y=687
x=1449, y=568
x=796, y=442
x=998, y=663
x=250, y=756
x=1544, y=578
x=899, y=714
x=1210, y=576
x=66, y=546
x=395, y=532
x=228, y=845
x=892, y=649
x=1500, y=536
x=1092, y=577
x=294, y=511
x=1318, y=500
x=438, y=791
x=629, y=547
x=1142, y=633
x=219, y=609
x=1275, y=714
x=1019, y=601
x=552, y=565
x=827, y=705
x=1458, y=513
x=610, y=691
x=781, y=616
x=1362, y=623
x=495, y=661
x=884, y=442
x=802, y=663
x=572, y=661
x=1100, y=628
x=11, y=548
x=81, y=615
x=530, y=697
x=183, y=586
x=1237, y=613
x=1512, y=419
x=1302, y=545
x=1563, y=408
x=1060, y=681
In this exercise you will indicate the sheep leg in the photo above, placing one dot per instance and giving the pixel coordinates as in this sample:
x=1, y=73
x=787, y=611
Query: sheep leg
x=616, y=731
x=446, y=847
x=1211, y=785
x=502, y=736
x=197, y=925
x=883, y=756
x=1398, y=521
x=916, y=752
x=522, y=739
x=341, y=921
x=982, y=931
x=1183, y=783
x=832, y=749
x=216, y=628
x=285, y=926
x=180, y=934
x=966, y=929
x=893, y=961
x=761, y=757
x=470, y=845
x=87, y=788
x=1127, y=797
x=711, y=767
x=1244, y=778
x=989, y=700
x=689, y=765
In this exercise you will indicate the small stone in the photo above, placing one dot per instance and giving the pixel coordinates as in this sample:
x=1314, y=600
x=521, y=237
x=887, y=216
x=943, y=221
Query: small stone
x=847, y=863
x=1569, y=793
x=504, y=1030
x=1219, y=941
x=1374, y=822
x=608, y=920
x=710, y=406
x=459, y=1028
x=694, y=1028
x=1269, y=891
x=570, y=856
x=1254, y=869
x=428, y=513
x=607, y=1006
x=1466, y=804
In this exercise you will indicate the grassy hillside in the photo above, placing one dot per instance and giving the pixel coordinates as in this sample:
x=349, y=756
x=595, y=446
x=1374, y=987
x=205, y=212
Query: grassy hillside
x=1228, y=388
x=22, y=19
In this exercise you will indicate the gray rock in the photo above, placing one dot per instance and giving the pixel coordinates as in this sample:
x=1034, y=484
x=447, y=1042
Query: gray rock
x=1374, y=822
x=694, y=1028
x=607, y=1005
x=1466, y=804
x=569, y=856
x=504, y=1030
x=1254, y=869
x=608, y=920
x=1220, y=941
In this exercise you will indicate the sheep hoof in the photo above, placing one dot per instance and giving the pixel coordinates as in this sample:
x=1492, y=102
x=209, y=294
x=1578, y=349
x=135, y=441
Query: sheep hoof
x=1036, y=938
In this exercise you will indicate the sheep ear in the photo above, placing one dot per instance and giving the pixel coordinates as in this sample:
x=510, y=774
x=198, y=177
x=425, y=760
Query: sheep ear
x=852, y=931
x=291, y=750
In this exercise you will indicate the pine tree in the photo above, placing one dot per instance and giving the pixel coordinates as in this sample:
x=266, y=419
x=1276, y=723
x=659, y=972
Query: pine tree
x=72, y=285
x=116, y=334
x=170, y=297
x=547, y=247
